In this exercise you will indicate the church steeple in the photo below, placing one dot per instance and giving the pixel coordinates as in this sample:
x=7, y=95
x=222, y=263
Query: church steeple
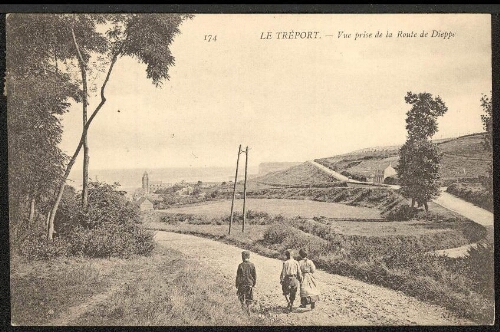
x=145, y=182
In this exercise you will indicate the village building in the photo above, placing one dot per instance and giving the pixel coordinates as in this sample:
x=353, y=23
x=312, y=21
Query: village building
x=389, y=171
x=152, y=186
x=379, y=176
x=145, y=204
x=186, y=191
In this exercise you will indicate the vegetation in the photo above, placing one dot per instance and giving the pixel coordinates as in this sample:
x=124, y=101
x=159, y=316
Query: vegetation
x=38, y=94
x=285, y=207
x=418, y=171
x=109, y=227
x=404, y=262
x=418, y=168
x=463, y=159
x=50, y=40
x=356, y=177
x=480, y=191
x=487, y=119
x=301, y=175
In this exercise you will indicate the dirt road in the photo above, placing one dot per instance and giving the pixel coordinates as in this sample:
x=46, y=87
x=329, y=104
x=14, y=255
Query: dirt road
x=344, y=301
x=336, y=175
x=341, y=177
x=466, y=209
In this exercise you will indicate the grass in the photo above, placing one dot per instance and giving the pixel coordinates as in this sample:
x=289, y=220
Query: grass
x=284, y=207
x=164, y=289
x=42, y=290
x=465, y=153
x=297, y=175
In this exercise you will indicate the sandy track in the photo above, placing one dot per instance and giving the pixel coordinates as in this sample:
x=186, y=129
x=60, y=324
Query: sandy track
x=466, y=209
x=344, y=301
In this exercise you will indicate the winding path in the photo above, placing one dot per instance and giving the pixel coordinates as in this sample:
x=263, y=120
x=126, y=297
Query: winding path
x=446, y=200
x=468, y=210
x=344, y=301
x=341, y=177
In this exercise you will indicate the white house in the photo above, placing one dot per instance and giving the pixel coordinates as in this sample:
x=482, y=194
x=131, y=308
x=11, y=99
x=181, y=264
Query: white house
x=389, y=171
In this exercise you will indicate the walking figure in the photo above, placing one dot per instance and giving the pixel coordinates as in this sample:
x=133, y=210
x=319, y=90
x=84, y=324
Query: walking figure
x=309, y=293
x=290, y=279
x=246, y=278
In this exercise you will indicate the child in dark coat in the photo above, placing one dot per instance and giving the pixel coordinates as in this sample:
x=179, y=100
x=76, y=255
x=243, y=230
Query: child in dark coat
x=246, y=278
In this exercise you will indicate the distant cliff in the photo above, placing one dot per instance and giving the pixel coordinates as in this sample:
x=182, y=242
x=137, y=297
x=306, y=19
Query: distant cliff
x=265, y=168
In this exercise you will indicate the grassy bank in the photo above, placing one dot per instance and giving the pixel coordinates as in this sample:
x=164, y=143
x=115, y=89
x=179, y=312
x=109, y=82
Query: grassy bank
x=164, y=289
x=397, y=262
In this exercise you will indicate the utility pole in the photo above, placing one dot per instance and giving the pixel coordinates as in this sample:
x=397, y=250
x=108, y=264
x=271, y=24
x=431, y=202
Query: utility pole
x=245, y=191
x=234, y=189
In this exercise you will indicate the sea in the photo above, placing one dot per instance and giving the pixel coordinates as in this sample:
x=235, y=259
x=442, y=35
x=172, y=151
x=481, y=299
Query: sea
x=131, y=179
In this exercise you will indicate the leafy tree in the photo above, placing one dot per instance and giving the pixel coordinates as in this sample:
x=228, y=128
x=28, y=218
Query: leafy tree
x=38, y=93
x=421, y=119
x=418, y=168
x=487, y=120
x=418, y=171
x=145, y=37
x=107, y=205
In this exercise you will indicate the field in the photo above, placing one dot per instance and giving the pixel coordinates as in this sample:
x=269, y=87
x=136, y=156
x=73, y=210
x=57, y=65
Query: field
x=303, y=174
x=284, y=207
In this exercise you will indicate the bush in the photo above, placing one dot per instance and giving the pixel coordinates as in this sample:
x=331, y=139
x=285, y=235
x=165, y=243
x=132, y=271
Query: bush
x=283, y=236
x=479, y=263
x=109, y=227
x=110, y=240
x=36, y=247
x=357, y=177
x=276, y=233
x=392, y=180
x=401, y=212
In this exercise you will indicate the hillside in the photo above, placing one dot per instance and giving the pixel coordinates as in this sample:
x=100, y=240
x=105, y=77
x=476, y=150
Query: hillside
x=303, y=174
x=266, y=168
x=462, y=157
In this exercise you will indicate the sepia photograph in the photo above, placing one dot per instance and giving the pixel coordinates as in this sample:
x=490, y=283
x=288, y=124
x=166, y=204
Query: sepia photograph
x=202, y=169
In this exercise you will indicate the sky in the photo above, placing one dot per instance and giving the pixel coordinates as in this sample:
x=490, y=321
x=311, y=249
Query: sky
x=287, y=99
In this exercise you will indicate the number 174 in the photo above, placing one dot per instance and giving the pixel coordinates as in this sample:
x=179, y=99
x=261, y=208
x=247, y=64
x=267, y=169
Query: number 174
x=210, y=38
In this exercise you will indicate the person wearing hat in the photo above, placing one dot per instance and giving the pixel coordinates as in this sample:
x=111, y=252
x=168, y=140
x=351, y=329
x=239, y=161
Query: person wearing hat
x=309, y=293
x=290, y=278
x=246, y=278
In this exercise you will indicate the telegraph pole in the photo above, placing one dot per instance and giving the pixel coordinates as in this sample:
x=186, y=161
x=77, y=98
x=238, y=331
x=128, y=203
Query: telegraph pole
x=245, y=191
x=234, y=189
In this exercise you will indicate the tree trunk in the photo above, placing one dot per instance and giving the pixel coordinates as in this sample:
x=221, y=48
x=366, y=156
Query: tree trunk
x=85, y=175
x=413, y=202
x=53, y=211
x=86, y=159
x=32, y=212
x=85, y=189
x=426, y=207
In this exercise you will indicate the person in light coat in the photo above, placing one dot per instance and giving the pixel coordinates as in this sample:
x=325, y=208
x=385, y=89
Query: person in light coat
x=309, y=293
